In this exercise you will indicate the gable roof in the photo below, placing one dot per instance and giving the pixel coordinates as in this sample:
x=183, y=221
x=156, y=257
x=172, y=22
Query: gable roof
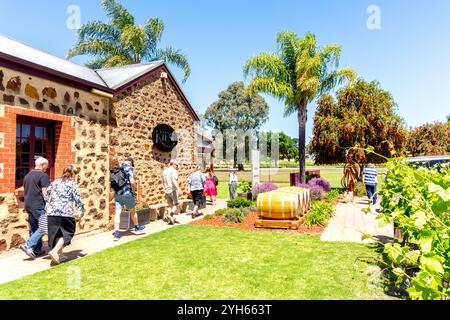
x=119, y=76
x=17, y=55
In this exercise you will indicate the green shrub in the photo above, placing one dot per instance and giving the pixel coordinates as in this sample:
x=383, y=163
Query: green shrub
x=418, y=201
x=221, y=212
x=320, y=213
x=235, y=215
x=239, y=203
x=245, y=186
x=208, y=217
x=360, y=189
x=332, y=195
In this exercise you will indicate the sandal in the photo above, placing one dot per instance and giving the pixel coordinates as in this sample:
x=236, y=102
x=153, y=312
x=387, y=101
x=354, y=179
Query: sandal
x=54, y=257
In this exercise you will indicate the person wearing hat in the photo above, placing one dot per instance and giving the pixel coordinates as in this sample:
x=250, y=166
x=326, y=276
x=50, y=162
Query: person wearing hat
x=232, y=186
x=172, y=190
x=124, y=197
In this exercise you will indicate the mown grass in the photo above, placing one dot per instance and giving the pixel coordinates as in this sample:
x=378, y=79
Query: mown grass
x=194, y=262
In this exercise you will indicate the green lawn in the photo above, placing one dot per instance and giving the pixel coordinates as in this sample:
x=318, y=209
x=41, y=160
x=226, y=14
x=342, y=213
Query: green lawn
x=193, y=262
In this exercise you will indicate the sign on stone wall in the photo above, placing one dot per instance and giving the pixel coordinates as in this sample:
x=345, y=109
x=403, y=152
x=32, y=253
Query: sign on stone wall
x=164, y=137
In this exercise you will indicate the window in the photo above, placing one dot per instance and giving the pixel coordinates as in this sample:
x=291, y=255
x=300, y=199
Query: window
x=34, y=138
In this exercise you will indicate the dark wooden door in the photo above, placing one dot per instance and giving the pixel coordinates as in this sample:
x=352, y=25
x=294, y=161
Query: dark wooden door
x=34, y=138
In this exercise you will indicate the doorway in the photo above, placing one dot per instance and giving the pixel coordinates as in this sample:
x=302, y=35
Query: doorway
x=34, y=138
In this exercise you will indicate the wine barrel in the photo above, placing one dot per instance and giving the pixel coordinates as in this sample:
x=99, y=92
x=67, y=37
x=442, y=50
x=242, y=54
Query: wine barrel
x=305, y=196
x=279, y=205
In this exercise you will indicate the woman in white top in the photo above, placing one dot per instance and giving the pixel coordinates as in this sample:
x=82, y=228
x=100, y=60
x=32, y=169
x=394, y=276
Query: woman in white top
x=232, y=186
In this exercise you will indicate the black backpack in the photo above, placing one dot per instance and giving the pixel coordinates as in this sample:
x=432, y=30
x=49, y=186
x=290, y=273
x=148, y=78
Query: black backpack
x=215, y=180
x=118, y=178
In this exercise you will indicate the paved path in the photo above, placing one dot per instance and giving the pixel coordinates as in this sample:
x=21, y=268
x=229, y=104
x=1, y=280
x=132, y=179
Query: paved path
x=349, y=223
x=15, y=264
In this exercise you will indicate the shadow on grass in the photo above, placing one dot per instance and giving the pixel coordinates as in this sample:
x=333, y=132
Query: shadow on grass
x=383, y=276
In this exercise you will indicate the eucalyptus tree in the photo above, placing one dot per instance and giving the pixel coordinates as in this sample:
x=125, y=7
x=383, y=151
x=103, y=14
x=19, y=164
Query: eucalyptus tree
x=297, y=73
x=121, y=41
x=236, y=111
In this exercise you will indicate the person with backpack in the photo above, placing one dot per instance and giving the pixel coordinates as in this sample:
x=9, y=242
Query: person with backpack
x=211, y=186
x=122, y=181
x=195, y=182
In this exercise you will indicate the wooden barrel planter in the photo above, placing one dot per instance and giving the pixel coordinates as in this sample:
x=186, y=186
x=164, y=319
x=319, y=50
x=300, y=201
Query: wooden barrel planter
x=283, y=208
x=279, y=205
x=305, y=196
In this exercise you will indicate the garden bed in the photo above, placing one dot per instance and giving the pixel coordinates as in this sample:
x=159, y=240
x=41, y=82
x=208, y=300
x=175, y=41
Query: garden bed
x=249, y=224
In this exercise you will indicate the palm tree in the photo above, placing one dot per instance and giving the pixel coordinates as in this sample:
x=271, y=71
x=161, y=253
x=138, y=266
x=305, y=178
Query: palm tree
x=121, y=42
x=298, y=73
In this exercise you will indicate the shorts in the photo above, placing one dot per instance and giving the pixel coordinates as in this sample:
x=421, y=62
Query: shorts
x=126, y=200
x=197, y=197
x=172, y=198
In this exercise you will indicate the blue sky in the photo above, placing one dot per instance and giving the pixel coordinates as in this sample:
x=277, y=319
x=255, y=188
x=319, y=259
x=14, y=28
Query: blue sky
x=409, y=55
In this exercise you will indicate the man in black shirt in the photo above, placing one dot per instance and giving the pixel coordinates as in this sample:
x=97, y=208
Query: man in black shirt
x=35, y=184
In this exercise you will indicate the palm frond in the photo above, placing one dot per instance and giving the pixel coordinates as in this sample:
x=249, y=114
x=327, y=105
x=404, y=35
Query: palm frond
x=279, y=90
x=154, y=29
x=336, y=78
x=176, y=57
x=331, y=53
x=98, y=30
x=120, y=16
x=266, y=65
x=287, y=44
x=133, y=38
x=99, y=48
x=97, y=63
x=117, y=61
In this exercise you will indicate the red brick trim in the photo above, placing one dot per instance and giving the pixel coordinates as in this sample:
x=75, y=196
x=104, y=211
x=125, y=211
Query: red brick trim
x=65, y=134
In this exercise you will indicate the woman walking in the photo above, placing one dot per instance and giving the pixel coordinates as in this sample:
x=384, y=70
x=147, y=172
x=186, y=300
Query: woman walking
x=196, y=181
x=61, y=195
x=210, y=186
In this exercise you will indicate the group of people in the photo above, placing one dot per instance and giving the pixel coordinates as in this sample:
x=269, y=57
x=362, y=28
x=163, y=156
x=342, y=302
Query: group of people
x=50, y=208
x=50, y=205
x=200, y=184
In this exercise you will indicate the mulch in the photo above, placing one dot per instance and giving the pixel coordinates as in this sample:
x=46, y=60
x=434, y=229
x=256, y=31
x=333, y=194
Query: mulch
x=249, y=224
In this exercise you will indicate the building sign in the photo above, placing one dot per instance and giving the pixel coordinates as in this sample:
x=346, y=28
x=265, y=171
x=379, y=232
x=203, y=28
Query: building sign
x=255, y=167
x=164, y=137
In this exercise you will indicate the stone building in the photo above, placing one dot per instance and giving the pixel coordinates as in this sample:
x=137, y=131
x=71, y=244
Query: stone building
x=90, y=118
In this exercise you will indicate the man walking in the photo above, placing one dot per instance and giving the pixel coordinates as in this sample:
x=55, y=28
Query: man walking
x=233, y=183
x=124, y=195
x=370, y=180
x=35, y=185
x=172, y=190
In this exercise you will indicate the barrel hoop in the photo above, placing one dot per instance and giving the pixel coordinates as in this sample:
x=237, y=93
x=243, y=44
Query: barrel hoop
x=292, y=206
x=282, y=205
x=270, y=205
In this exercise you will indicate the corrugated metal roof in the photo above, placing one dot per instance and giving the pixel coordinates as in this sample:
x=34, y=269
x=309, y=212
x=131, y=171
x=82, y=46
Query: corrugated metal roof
x=22, y=51
x=119, y=76
x=112, y=78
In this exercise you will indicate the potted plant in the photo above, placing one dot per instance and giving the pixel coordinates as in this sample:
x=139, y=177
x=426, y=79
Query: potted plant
x=143, y=214
x=246, y=190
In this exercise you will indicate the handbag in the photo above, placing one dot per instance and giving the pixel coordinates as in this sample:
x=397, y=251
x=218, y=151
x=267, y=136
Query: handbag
x=43, y=221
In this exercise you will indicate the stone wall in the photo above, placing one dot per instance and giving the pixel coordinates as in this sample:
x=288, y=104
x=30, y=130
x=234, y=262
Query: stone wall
x=133, y=116
x=82, y=119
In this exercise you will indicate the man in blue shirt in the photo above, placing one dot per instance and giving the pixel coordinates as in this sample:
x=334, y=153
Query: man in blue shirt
x=125, y=197
x=370, y=180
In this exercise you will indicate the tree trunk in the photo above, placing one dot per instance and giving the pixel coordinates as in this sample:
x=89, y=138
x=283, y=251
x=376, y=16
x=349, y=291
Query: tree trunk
x=301, y=116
